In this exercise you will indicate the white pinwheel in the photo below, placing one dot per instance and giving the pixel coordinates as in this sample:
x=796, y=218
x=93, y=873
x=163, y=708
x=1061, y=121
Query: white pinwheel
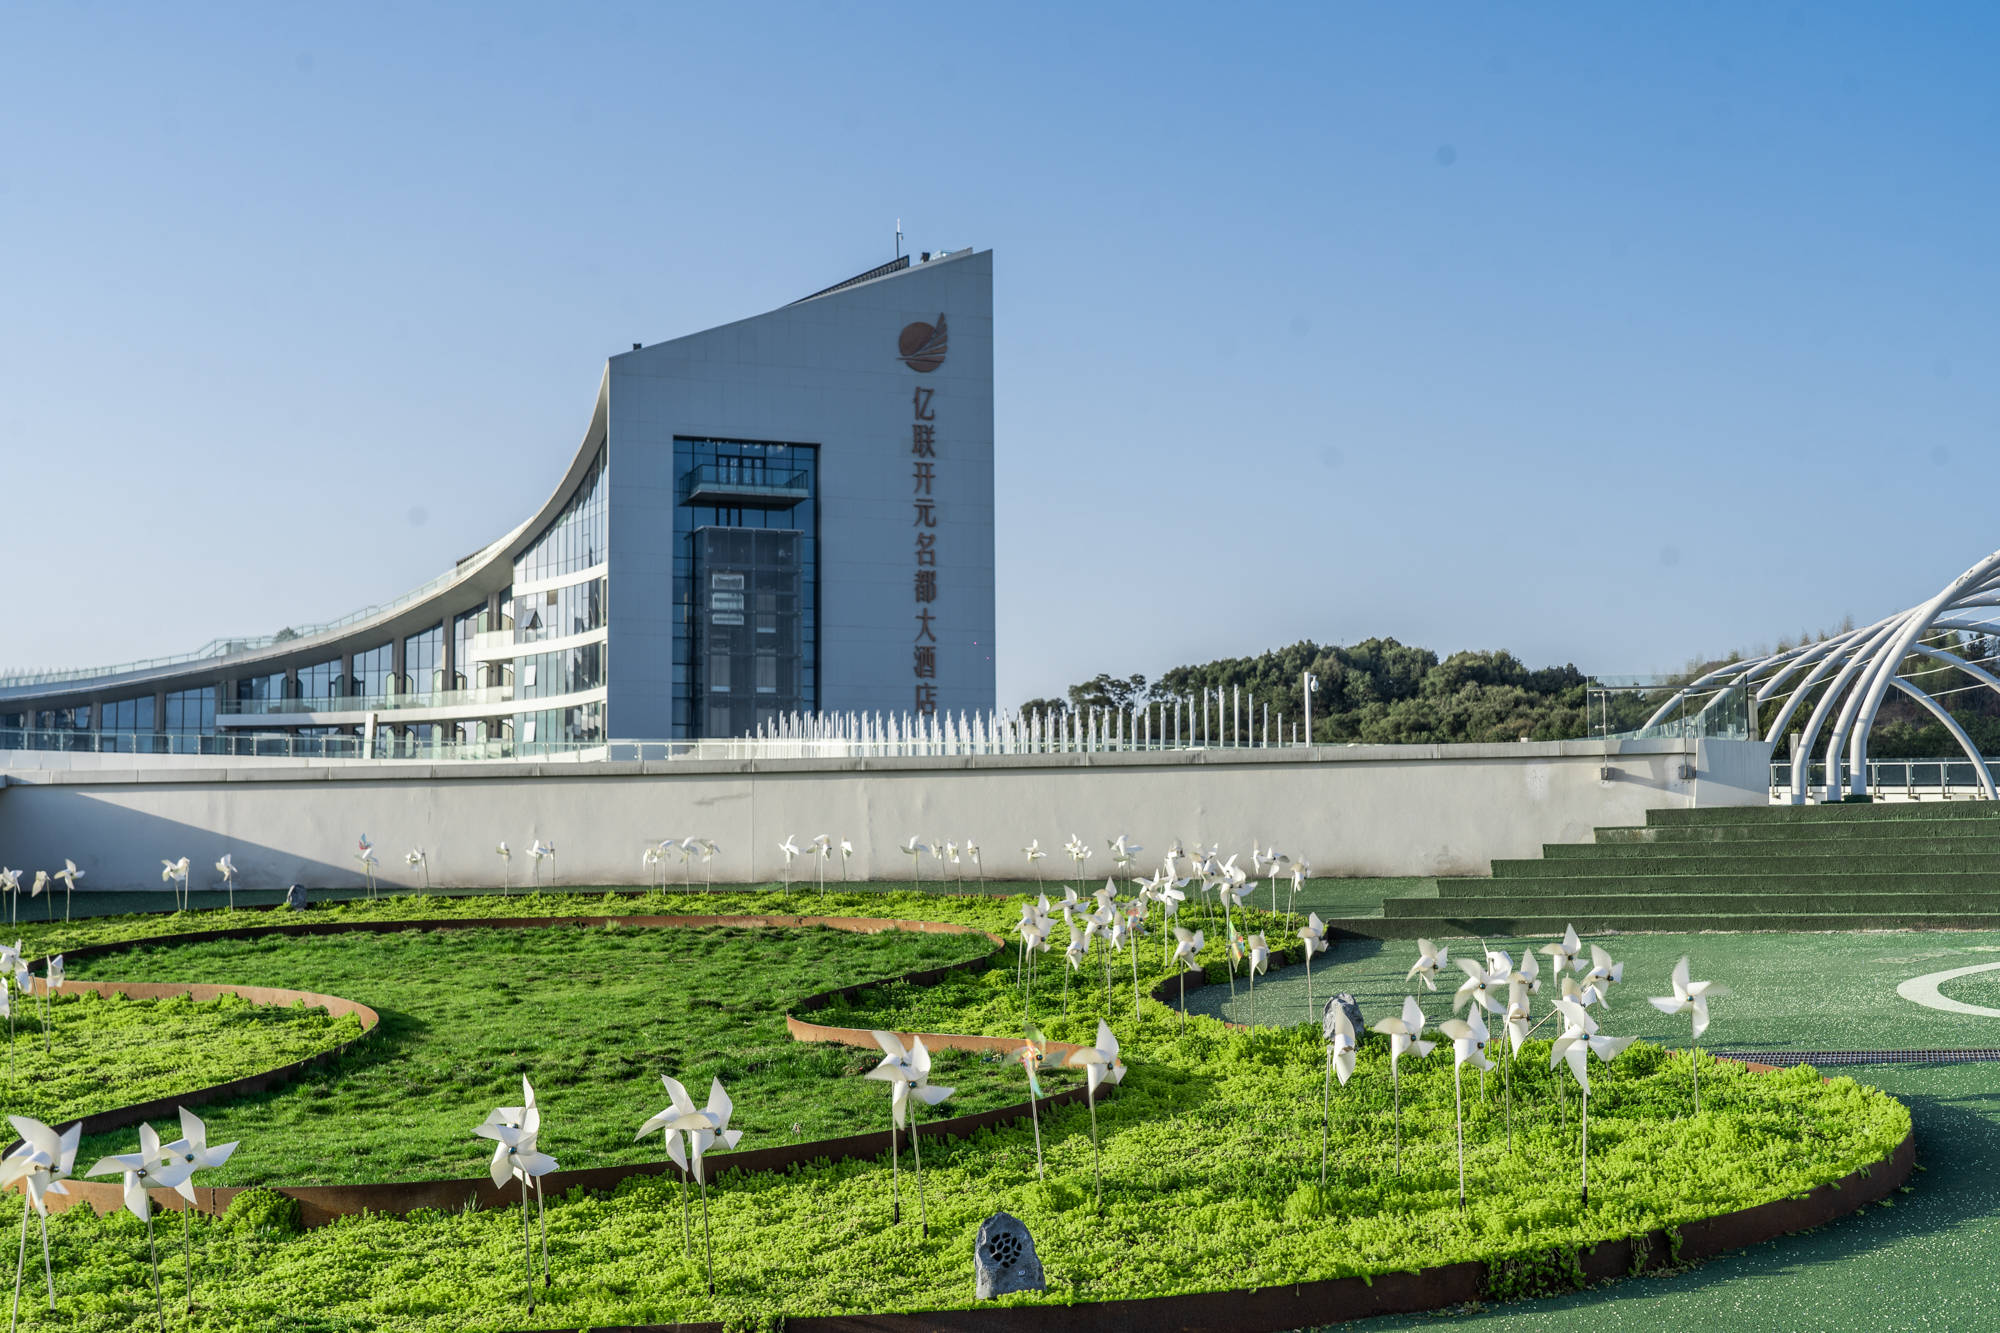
x=1187, y=952
x=1468, y=1047
x=540, y=851
x=651, y=858
x=1430, y=961
x=1578, y=1042
x=1691, y=997
x=1603, y=973
x=226, y=868
x=152, y=1165
x=792, y=851
x=417, y=858
x=1123, y=850
x=517, y=1155
x=846, y=855
x=907, y=1071
x=1565, y=952
x=822, y=850
x=1075, y=953
x=978, y=867
x=1033, y=851
x=1100, y=1065
x=69, y=875
x=171, y=872
x=1405, y=1033
x=1033, y=928
x=1033, y=1051
x=1259, y=953
x=193, y=1151
x=40, y=1162
x=916, y=849
x=690, y=1132
x=506, y=855
x=1342, y=1045
x=1480, y=987
x=1313, y=936
x=10, y=883
x=364, y=852
x=1301, y=872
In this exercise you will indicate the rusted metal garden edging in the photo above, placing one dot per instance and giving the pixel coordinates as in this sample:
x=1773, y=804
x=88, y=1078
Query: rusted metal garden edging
x=320, y=1204
x=1336, y=1300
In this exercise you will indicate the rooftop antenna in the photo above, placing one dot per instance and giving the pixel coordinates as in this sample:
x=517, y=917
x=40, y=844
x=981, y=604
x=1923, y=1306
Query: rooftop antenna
x=899, y=238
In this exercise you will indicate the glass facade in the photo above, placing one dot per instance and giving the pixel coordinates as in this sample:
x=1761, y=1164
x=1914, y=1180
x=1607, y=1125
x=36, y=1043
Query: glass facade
x=463, y=626
x=373, y=671
x=321, y=680
x=190, y=716
x=577, y=538
x=746, y=584
x=261, y=689
x=555, y=612
x=423, y=661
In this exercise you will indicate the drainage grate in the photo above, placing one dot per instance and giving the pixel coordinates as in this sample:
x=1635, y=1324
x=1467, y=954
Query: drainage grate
x=1820, y=1059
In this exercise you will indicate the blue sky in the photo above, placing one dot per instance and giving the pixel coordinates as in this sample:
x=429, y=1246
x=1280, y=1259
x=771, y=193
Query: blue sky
x=1614, y=335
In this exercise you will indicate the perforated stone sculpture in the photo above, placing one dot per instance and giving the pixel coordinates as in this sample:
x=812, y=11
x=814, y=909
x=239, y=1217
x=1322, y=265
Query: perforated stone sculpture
x=295, y=897
x=1003, y=1257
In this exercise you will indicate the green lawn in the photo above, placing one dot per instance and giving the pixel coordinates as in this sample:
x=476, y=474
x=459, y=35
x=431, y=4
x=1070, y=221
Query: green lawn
x=592, y=1016
x=108, y=1050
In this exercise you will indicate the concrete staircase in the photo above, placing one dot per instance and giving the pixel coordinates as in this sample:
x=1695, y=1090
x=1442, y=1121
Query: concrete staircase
x=1831, y=867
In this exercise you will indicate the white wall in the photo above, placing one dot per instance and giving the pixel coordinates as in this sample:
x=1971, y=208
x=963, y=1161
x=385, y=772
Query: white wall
x=1359, y=810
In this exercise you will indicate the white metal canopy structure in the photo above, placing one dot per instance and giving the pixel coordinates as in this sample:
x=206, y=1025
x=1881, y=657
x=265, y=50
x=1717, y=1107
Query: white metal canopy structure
x=1853, y=672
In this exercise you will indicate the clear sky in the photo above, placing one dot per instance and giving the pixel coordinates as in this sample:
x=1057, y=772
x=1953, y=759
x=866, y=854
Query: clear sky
x=1609, y=334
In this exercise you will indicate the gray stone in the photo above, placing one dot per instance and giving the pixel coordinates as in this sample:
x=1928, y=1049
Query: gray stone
x=1344, y=1001
x=1004, y=1258
x=295, y=897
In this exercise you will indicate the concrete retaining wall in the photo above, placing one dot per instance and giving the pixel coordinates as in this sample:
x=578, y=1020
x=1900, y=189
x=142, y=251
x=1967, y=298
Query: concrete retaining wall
x=1356, y=810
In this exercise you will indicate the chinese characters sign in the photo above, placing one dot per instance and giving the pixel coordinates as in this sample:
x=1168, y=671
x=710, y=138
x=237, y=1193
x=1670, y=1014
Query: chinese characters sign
x=923, y=476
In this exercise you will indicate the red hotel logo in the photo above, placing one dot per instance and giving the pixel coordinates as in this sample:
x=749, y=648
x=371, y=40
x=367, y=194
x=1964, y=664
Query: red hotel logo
x=921, y=346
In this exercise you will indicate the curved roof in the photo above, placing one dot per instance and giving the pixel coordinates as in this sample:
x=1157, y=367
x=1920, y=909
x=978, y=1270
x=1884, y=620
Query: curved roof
x=478, y=575
x=1853, y=672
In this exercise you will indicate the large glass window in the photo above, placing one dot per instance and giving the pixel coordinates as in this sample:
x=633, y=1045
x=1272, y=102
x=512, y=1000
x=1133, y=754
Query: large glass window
x=190, y=716
x=261, y=689
x=576, y=539
x=423, y=661
x=128, y=725
x=556, y=612
x=372, y=671
x=321, y=680
x=746, y=584
x=463, y=626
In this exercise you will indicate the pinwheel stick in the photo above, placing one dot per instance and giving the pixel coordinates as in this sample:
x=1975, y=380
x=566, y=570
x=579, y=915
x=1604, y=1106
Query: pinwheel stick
x=708, y=1249
x=542, y=1218
x=1035, y=1116
x=1310, y=1010
x=1135, y=982
x=1694, y=1068
x=895, y=1175
x=1458, y=1110
x=528, y=1244
x=1096, y=1173
x=21, y=1262
x=1325, y=1114
x=1183, y=977
x=159, y=1306
x=1396, y=1083
x=916, y=1146
x=1585, y=1153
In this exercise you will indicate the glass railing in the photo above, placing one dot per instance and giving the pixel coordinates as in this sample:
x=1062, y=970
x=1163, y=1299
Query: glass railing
x=244, y=745
x=370, y=703
x=730, y=482
x=1897, y=779
x=219, y=649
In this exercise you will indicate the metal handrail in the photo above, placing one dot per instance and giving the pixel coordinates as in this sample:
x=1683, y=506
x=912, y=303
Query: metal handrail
x=220, y=649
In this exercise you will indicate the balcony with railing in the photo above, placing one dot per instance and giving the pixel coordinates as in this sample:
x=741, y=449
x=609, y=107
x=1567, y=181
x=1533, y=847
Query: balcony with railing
x=495, y=695
x=743, y=483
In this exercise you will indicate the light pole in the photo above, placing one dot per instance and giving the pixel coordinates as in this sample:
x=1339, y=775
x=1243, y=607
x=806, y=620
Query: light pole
x=1311, y=683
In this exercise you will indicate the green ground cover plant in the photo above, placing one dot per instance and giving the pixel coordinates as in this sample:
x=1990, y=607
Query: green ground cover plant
x=1210, y=1156
x=593, y=1016
x=111, y=1050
